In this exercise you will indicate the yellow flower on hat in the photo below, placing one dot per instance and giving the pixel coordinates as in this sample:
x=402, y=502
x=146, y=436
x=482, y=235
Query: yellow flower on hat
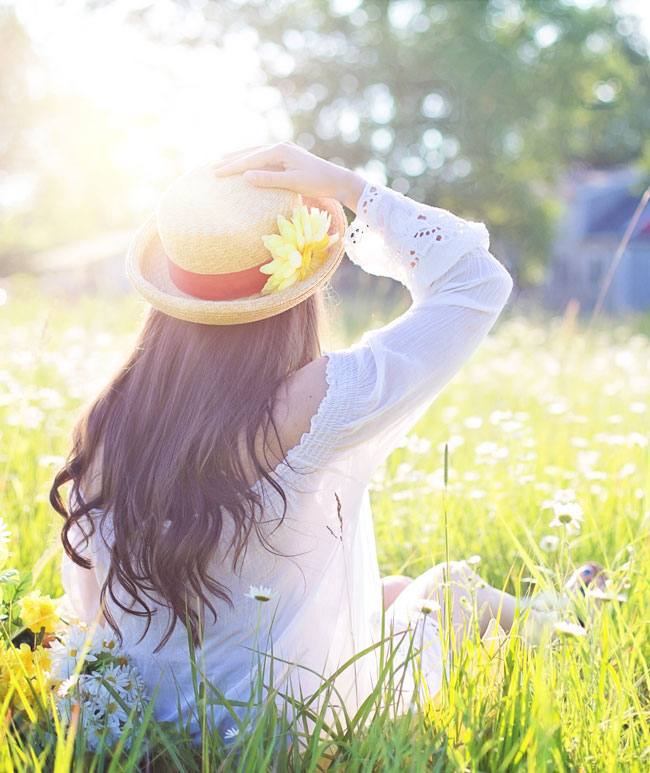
x=37, y=611
x=298, y=250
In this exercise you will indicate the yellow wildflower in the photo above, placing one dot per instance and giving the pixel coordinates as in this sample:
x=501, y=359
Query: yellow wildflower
x=23, y=660
x=37, y=611
x=42, y=659
x=20, y=667
x=299, y=249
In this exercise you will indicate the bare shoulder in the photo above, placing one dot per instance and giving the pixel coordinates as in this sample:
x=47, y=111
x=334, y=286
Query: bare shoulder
x=299, y=400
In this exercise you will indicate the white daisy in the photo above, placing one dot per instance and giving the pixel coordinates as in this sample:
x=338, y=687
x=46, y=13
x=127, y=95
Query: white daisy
x=107, y=644
x=67, y=685
x=92, y=687
x=115, y=716
x=604, y=595
x=549, y=543
x=567, y=514
x=119, y=677
x=65, y=654
x=261, y=593
x=93, y=733
x=101, y=707
x=428, y=606
x=569, y=629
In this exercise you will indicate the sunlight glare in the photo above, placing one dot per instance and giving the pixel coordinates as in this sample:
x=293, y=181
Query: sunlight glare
x=194, y=100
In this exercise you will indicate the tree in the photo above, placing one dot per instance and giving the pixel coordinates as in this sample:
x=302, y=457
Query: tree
x=477, y=106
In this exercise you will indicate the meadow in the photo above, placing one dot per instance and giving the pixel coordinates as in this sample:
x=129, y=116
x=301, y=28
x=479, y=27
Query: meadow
x=545, y=412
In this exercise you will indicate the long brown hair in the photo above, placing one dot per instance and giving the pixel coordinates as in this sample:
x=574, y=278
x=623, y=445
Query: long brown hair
x=168, y=429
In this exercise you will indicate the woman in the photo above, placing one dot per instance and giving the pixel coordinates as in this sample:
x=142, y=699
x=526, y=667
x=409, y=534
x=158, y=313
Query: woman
x=229, y=452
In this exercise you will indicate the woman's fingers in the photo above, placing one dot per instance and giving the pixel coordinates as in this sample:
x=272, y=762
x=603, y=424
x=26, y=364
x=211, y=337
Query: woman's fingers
x=235, y=154
x=264, y=157
x=261, y=178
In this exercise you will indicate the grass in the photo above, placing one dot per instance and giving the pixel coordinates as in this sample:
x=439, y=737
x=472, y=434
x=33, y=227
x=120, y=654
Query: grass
x=543, y=412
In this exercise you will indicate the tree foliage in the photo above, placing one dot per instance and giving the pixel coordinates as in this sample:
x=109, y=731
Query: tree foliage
x=477, y=106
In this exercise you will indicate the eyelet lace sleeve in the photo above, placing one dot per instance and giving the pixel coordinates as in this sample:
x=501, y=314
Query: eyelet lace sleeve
x=406, y=240
x=381, y=386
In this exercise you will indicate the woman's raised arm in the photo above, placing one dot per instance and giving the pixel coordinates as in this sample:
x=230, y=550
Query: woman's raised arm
x=286, y=165
x=378, y=388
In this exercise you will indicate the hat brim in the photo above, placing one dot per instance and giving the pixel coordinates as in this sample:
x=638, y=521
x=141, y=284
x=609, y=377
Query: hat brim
x=146, y=266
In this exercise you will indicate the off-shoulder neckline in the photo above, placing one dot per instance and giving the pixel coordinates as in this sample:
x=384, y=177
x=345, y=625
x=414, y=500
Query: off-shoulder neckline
x=284, y=471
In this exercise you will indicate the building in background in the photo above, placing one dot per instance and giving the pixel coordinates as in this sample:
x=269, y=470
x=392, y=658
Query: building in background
x=600, y=205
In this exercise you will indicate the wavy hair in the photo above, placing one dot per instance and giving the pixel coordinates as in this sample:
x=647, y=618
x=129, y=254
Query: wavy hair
x=164, y=439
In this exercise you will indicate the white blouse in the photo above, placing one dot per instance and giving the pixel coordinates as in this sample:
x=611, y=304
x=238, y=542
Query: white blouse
x=327, y=602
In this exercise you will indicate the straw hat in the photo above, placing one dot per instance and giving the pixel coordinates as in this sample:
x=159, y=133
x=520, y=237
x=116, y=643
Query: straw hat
x=199, y=257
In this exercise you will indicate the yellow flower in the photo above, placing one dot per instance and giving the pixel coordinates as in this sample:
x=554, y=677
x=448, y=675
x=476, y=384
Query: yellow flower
x=25, y=657
x=9, y=658
x=37, y=611
x=18, y=658
x=42, y=659
x=299, y=249
x=21, y=667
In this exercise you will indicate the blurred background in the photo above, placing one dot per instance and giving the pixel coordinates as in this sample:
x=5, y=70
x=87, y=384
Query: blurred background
x=530, y=115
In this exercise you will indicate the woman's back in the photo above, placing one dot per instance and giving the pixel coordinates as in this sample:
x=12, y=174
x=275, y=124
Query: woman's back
x=321, y=579
x=337, y=417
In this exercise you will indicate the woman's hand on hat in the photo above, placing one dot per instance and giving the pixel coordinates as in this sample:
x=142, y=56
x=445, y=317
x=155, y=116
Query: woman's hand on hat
x=287, y=165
